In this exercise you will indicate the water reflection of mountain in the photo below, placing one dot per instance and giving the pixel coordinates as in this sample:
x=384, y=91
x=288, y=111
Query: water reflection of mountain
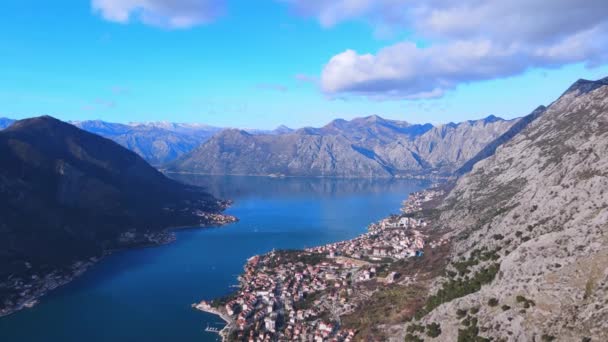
x=245, y=186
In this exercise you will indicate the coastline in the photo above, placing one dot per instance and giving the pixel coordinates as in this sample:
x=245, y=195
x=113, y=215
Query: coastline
x=301, y=294
x=49, y=283
x=57, y=278
x=432, y=177
x=230, y=323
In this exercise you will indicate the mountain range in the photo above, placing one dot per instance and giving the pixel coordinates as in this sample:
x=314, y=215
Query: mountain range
x=68, y=195
x=527, y=229
x=156, y=142
x=360, y=148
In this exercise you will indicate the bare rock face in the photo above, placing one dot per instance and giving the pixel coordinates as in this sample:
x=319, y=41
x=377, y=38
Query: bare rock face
x=363, y=147
x=538, y=209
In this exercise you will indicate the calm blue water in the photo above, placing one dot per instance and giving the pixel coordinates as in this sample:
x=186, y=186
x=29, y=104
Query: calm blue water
x=145, y=294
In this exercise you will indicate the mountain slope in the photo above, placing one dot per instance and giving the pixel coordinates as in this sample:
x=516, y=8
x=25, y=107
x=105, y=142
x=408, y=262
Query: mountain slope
x=364, y=147
x=240, y=153
x=371, y=129
x=67, y=195
x=446, y=147
x=157, y=143
x=531, y=221
x=4, y=122
x=490, y=148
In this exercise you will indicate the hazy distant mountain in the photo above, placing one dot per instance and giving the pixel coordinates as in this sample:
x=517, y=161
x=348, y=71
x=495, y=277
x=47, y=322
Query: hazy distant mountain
x=279, y=130
x=363, y=147
x=156, y=142
x=67, y=195
x=4, y=122
x=527, y=228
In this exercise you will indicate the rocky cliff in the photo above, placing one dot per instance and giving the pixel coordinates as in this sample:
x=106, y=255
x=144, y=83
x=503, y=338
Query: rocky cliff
x=529, y=234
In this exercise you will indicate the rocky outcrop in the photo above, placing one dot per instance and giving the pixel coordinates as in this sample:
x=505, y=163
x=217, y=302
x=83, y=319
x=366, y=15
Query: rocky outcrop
x=364, y=147
x=529, y=232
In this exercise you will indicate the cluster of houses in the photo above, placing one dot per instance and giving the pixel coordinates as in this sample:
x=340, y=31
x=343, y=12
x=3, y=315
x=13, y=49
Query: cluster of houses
x=301, y=295
x=276, y=299
x=394, y=238
x=415, y=200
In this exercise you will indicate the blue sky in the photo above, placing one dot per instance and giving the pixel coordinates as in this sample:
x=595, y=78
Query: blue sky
x=262, y=63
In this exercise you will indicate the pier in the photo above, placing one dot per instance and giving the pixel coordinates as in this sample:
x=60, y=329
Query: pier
x=206, y=307
x=212, y=329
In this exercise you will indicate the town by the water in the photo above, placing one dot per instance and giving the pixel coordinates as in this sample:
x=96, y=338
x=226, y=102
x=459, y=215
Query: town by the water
x=302, y=295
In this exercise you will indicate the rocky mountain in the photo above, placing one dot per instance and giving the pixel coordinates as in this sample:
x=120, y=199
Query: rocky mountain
x=363, y=147
x=371, y=129
x=4, y=122
x=156, y=142
x=161, y=142
x=528, y=228
x=68, y=195
x=490, y=148
x=282, y=129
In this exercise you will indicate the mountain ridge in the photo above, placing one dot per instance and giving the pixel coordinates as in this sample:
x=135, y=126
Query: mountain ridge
x=528, y=228
x=161, y=143
x=69, y=195
x=157, y=142
x=375, y=147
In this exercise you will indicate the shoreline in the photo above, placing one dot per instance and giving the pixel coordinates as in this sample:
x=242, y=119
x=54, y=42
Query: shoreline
x=52, y=281
x=281, y=176
x=295, y=287
x=49, y=283
x=206, y=307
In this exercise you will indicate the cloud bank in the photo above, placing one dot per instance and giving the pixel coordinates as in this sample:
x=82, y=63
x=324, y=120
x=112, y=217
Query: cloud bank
x=173, y=14
x=464, y=41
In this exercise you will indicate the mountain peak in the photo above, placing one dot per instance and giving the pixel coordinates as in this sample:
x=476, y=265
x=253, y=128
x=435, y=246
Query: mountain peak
x=235, y=132
x=374, y=117
x=584, y=86
x=40, y=122
x=370, y=119
x=492, y=118
x=282, y=129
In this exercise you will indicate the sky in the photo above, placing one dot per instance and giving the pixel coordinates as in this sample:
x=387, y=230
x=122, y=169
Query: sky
x=262, y=63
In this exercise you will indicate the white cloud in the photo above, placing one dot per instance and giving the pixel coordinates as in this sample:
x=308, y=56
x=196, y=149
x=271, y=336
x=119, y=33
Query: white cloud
x=465, y=41
x=162, y=13
x=332, y=12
